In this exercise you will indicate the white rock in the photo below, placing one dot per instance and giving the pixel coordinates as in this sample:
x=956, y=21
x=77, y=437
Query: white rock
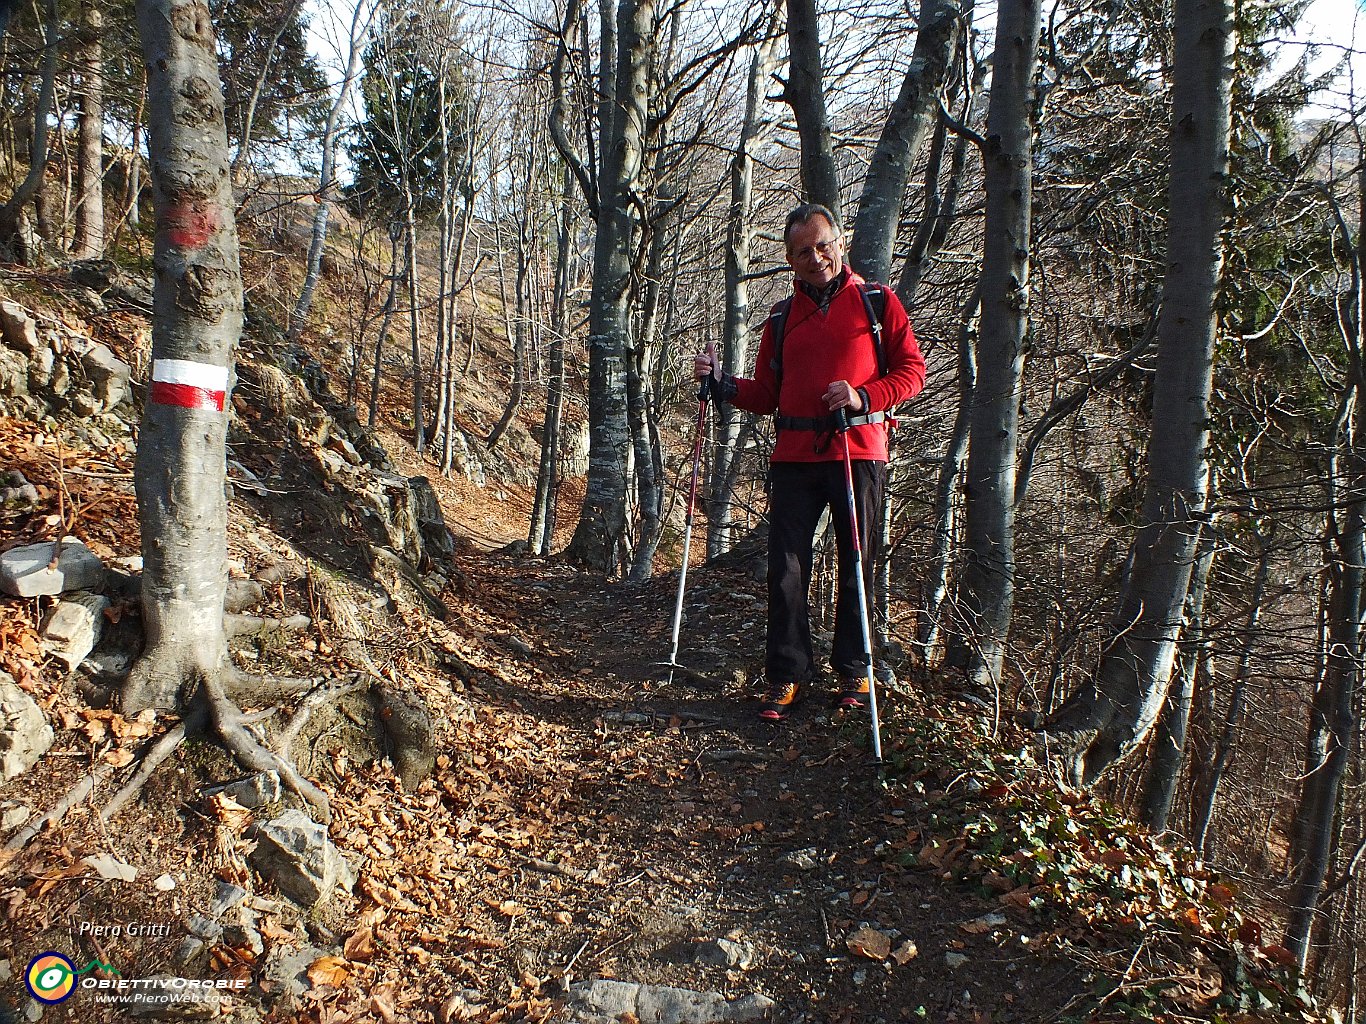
x=25, y=733
x=111, y=868
x=73, y=627
x=164, y=883
x=294, y=852
x=660, y=1004
x=24, y=570
x=18, y=329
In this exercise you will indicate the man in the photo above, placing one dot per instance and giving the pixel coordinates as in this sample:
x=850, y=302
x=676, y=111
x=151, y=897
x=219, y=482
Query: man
x=828, y=360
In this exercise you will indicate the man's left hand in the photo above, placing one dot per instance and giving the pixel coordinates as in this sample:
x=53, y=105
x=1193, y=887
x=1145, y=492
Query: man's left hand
x=842, y=395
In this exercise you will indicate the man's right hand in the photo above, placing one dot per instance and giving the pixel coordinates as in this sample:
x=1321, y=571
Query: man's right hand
x=704, y=363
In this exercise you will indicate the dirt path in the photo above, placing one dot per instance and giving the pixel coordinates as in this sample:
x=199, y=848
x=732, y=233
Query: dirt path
x=701, y=823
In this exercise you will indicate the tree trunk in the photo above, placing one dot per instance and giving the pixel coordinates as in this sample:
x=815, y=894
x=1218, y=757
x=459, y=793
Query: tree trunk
x=542, y=533
x=597, y=540
x=987, y=588
x=805, y=93
x=390, y=303
x=1202, y=811
x=414, y=325
x=1169, y=741
x=735, y=337
x=946, y=492
x=915, y=110
x=12, y=213
x=89, y=232
x=327, y=178
x=1333, y=721
x=1112, y=714
x=196, y=322
x=258, y=87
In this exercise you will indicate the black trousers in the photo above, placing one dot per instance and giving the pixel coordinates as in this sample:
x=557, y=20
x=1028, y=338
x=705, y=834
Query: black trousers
x=799, y=493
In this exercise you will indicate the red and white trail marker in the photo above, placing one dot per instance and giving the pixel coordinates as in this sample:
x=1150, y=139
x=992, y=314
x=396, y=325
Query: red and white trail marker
x=189, y=385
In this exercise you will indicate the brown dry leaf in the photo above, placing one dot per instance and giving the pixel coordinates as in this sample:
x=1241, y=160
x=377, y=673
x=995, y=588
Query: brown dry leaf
x=562, y=917
x=328, y=970
x=360, y=945
x=508, y=908
x=627, y=1018
x=229, y=811
x=870, y=943
x=119, y=757
x=272, y=929
x=382, y=1002
x=905, y=953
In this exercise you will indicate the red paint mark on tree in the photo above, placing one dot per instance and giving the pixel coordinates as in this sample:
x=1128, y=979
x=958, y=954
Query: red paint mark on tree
x=189, y=225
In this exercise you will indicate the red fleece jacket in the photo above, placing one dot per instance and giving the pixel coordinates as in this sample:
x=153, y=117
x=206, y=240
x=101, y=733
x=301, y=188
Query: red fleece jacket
x=820, y=348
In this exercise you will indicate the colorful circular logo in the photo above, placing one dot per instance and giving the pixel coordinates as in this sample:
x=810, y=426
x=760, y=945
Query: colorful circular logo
x=50, y=978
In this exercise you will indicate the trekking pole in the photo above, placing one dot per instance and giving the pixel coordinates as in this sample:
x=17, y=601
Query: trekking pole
x=842, y=425
x=703, y=394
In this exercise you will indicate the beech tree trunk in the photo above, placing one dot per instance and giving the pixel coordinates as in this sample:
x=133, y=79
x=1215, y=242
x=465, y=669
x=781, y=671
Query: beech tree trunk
x=1113, y=713
x=327, y=179
x=196, y=322
x=735, y=337
x=597, y=540
x=12, y=213
x=1333, y=718
x=987, y=589
x=89, y=228
x=805, y=93
x=1203, y=800
x=542, y=532
x=916, y=109
x=1169, y=742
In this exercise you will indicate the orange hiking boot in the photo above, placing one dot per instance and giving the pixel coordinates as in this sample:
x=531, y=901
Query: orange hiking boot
x=853, y=695
x=778, y=701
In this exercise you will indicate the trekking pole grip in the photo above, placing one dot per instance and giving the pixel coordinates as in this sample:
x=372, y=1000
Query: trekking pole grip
x=704, y=391
x=841, y=420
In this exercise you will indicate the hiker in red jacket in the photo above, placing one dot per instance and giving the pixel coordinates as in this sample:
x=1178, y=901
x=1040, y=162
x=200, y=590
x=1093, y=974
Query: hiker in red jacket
x=819, y=353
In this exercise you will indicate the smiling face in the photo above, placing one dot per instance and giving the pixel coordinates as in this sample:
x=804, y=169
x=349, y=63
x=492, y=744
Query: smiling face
x=815, y=251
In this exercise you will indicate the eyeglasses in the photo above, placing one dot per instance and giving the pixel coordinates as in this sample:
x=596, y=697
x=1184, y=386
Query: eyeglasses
x=824, y=248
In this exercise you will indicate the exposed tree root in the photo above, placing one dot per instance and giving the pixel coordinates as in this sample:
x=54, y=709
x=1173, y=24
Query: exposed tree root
x=323, y=694
x=238, y=625
x=260, y=689
x=156, y=754
x=74, y=795
x=229, y=724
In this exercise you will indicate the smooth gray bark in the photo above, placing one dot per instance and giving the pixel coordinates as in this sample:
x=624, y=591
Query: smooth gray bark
x=735, y=336
x=298, y=318
x=805, y=93
x=89, y=228
x=987, y=589
x=597, y=540
x=1169, y=740
x=1203, y=800
x=543, y=513
x=1111, y=715
x=1334, y=712
x=946, y=493
x=915, y=110
x=197, y=317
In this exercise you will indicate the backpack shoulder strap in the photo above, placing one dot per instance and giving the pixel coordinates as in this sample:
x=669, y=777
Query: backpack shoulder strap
x=777, y=319
x=875, y=305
